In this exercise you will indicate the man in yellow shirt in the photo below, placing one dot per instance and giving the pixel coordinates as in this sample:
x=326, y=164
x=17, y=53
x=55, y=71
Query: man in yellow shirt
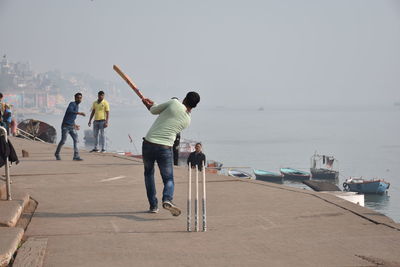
x=101, y=113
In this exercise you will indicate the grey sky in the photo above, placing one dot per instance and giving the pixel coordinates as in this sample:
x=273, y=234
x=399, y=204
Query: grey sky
x=232, y=52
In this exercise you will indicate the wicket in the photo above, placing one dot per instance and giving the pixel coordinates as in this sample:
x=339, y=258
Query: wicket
x=196, y=201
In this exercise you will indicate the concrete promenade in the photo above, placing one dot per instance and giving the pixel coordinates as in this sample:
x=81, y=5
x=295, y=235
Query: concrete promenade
x=94, y=213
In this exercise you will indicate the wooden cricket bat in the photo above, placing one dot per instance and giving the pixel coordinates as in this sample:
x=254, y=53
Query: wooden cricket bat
x=128, y=81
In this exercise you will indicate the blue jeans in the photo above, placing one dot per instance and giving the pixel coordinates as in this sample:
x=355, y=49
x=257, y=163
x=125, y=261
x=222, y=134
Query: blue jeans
x=98, y=127
x=68, y=129
x=163, y=156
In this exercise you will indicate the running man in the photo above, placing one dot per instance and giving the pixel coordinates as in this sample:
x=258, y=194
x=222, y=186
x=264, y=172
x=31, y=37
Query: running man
x=68, y=126
x=101, y=113
x=157, y=146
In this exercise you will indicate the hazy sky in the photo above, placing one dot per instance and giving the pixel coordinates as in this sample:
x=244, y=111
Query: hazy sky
x=232, y=52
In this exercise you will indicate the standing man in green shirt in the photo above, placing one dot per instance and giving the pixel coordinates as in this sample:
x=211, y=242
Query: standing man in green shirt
x=101, y=113
x=173, y=117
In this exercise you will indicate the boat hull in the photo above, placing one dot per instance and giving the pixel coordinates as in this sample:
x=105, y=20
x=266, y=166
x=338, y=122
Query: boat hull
x=292, y=174
x=239, y=174
x=39, y=129
x=296, y=177
x=367, y=187
x=324, y=174
x=268, y=176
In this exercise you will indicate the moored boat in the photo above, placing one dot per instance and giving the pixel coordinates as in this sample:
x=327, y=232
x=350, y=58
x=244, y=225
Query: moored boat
x=186, y=147
x=268, y=176
x=324, y=167
x=35, y=129
x=239, y=174
x=293, y=174
x=359, y=185
x=214, y=166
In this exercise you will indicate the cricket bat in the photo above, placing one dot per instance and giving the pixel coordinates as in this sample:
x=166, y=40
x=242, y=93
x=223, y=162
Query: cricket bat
x=128, y=81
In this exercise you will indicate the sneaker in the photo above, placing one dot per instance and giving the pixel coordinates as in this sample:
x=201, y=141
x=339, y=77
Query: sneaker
x=168, y=205
x=57, y=157
x=103, y=151
x=153, y=210
x=94, y=150
x=77, y=159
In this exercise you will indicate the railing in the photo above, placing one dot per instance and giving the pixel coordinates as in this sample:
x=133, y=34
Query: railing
x=29, y=136
x=3, y=131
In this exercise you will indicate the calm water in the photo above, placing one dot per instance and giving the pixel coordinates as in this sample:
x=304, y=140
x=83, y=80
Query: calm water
x=365, y=140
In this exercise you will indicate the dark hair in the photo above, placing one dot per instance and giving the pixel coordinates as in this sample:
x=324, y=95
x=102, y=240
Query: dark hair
x=100, y=93
x=1, y=95
x=77, y=94
x=199, y=144
x=192, y=99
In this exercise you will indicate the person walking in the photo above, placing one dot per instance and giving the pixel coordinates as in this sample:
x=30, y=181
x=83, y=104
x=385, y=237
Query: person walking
x=101, y=113
x=68, y=126
x=173, y=117
x=197, y=158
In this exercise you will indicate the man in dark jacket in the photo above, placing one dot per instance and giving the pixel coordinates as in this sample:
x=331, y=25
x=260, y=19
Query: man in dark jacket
x=197, y=158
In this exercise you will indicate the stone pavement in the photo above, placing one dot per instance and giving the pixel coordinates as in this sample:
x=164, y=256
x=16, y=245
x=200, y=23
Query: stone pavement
x=94, y=213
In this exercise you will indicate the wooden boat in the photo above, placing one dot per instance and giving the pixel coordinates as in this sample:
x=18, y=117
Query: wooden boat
x=323, y=167
x=268, y=176
x=130, y=154
x=38, y=129
x=293, y=174
x=212, y=164
x=239, y=174
x=359, y=185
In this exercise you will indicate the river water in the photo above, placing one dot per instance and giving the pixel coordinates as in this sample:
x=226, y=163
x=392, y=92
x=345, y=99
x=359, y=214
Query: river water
x=365, y=140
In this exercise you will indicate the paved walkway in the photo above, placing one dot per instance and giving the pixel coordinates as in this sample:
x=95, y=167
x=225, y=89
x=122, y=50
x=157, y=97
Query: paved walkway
x=93, y=213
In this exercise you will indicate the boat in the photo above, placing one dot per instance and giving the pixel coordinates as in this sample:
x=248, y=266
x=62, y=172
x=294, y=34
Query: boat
x=186, y=147
x=268, y=176
x=37, y=130
x=129, y=154
x=214, y=166
x=324, y=167
x=89, y=139
x=293, y=174
x=360, y=185
x=239, y=174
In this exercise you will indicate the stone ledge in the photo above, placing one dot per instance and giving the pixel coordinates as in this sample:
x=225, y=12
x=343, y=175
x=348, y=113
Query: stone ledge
x=10, y=239
x=10, y=211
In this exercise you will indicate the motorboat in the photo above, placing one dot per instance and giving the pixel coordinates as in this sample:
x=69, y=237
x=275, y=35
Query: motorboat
x=360, y=185
x=324, y=167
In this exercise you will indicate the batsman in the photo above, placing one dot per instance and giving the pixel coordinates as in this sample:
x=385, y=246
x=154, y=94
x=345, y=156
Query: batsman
x=173, y=117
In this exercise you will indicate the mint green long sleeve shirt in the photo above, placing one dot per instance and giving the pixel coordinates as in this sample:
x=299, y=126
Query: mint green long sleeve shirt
x=172, y=118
